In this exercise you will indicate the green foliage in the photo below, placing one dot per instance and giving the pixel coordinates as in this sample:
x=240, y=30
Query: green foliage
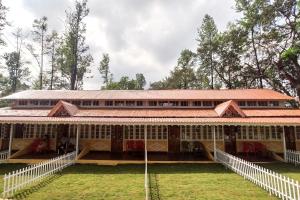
x=126, y=83
x=17, y=74
x=183, y=76
x=74, y=60
x=104, y=69
x=3, y=21
x=207, y=47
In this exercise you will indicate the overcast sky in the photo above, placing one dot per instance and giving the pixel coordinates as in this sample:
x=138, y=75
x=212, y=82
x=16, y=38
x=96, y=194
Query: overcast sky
x=141, y=36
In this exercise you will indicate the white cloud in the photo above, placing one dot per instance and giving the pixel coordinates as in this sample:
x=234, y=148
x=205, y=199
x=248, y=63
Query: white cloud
x=140, y=36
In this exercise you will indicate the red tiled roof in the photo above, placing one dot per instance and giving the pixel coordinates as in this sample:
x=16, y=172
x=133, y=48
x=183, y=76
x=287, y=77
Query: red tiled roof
x=223, y=107
x=223, y=94
x=147, y=121
x=153, y=113
x=147, y=113
x=272, y=112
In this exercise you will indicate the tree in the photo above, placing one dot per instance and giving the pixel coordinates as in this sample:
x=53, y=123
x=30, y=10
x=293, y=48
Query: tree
x=229, y=66
x=206, y=47
x=53, y=81
x=17, y=73
x=75, y=59
x=125, y=83
x=183, y=76
x=3, y=21
x=140, y=81
x=104, y=69
x=272, y=29
x=39, y=33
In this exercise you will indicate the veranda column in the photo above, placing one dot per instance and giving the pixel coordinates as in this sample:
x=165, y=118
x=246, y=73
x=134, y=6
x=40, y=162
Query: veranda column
x=284, y=144
x=215, y=144
x=11, y=131
x=146, y=160
x=77, y=140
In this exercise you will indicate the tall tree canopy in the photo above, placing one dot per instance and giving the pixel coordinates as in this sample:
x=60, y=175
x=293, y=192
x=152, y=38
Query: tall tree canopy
x=183, y=76
x=75, y=60
x=207, y=47
x=104, y=69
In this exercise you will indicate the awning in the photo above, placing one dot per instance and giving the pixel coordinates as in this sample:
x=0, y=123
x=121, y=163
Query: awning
x=260, y=121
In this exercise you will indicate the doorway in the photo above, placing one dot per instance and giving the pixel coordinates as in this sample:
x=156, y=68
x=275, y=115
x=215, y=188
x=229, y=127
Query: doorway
x=174, y=139
x=230, y=139
x=117, y=139
x=290, y=139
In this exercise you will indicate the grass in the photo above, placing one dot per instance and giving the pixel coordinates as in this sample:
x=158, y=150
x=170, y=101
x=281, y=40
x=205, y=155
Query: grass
x=176, y=182
x=286, y=169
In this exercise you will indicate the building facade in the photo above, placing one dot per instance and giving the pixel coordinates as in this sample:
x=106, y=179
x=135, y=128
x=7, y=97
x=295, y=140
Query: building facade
x=187, y=123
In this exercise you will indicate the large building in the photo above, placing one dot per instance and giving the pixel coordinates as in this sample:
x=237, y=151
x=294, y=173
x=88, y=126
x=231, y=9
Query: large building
x=176, y=125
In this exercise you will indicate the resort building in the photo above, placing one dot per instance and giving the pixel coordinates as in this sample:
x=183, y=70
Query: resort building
x=172, y=125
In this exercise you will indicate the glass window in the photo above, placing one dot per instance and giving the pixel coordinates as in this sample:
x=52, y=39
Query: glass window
x=152, y=103
x=153, y=132
x=77, y=103
x=263, y=103
x=119, y=103
x=207, y=103
x=173, y=103
x=54, y=102
x=184, y=103
x=87, y=103
x=23, y=103
x=108, y=103
x=96, y=103
x=298, y=132
x=34, y=102
x=197, y=103
x=44, y=103
x=241, y=103
x=273, y=133
x=244, y=132
x=274, y=103
x=139, y=103
x=130, y=103
x=251, y=103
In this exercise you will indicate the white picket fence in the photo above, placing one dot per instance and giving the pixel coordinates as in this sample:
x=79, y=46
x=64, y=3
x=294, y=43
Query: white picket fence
x=292, y=157
x=276, y=184
x=3, y=156
x=19, y=179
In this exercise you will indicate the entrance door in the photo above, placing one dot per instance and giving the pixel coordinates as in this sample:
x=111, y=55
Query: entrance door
x=174, y=139
x=290, y=140
x=230, y=139
x=117, y=139
x=62, y=131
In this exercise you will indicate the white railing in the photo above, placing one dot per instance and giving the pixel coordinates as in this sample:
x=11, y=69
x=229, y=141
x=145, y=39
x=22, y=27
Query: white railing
x=19, y=179
x=276, y=184
x=3, y=156
x=292, y=156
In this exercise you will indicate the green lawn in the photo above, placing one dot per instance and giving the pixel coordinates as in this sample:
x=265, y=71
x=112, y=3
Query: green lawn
x=176, y=182
x=286, y=169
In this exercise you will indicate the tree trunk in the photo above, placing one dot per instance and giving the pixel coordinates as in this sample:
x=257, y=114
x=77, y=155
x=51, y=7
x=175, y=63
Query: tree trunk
x=256, y=59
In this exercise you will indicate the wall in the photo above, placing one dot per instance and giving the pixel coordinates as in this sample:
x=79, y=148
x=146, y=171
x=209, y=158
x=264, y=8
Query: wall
x=95, y=145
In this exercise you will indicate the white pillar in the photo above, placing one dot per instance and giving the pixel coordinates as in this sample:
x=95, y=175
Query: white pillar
x=146, y=164
x=215, y=144
x=284, y=144
x=11, y=131
x=77, y=140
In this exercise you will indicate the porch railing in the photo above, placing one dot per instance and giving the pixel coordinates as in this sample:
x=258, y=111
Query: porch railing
x=19, y=179
x=3, y=156
x=276, y=184
x=292, y=157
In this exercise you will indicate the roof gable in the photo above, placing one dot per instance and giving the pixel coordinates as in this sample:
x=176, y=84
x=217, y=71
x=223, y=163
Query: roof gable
x=63, y=109
x=229, y=109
